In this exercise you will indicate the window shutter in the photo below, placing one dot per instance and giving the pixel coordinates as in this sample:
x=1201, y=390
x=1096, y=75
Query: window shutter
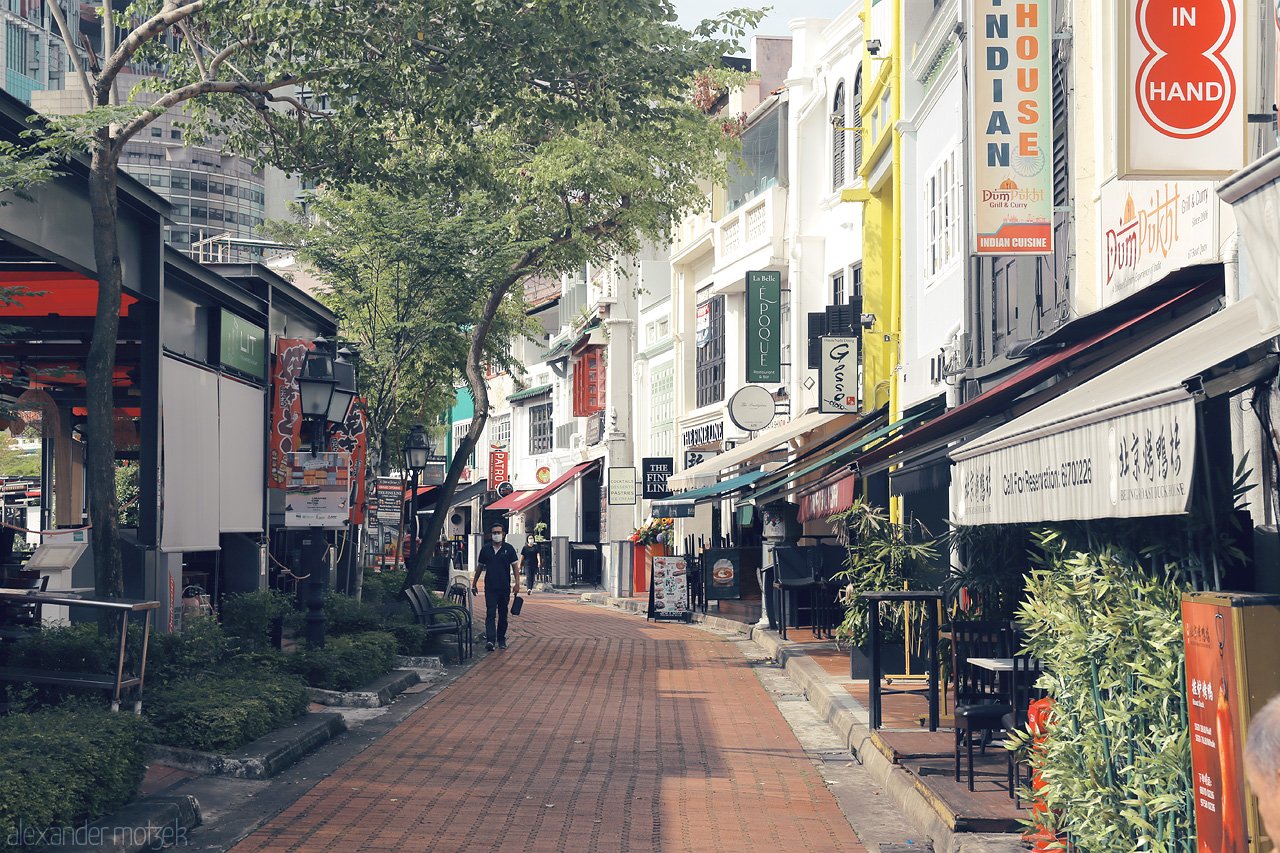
x=838, y=139
x=817, y=328
x=855, y=115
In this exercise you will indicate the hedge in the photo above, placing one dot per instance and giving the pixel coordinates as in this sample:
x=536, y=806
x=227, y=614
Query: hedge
x=222, y=712
x=346, y=662
x=64, y=767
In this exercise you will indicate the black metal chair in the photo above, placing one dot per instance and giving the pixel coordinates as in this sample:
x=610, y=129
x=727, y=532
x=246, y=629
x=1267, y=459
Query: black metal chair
x=448, y=619
x=797, y=572
x=1023, y=692
x=827, y=592
x=981, y=707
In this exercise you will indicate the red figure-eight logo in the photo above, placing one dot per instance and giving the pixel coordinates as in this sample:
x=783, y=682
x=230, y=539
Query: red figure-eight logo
x=1185, y=88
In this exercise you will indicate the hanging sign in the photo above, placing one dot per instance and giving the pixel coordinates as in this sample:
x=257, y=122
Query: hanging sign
x=838, y=375
x=697, y=457
x=1012, y=121
x=352, y=437
x=242, y=345
x=1150, y=229
x=764, y=326
x=622, y=486
x=498, y=458
x=1182, y=109
x=285, y=429
x=702, y=324
x=656, y=470
x=751, y=408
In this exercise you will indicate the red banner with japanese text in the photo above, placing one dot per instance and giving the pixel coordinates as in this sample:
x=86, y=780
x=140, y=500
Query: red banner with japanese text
x=353, y=437
x=285, y=433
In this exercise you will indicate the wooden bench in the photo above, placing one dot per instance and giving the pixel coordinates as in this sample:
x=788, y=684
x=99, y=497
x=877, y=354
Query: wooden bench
x=116, y=683
x=445, y=619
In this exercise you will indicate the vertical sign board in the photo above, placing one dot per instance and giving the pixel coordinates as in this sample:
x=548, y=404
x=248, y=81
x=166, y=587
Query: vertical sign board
x=670, y=588
x=622, y=486
x=764, y=326
x=656, y=470
x=497, y=465
x=723, y=573
x=1182, y=109
x=838, y=375
x=1012, y=119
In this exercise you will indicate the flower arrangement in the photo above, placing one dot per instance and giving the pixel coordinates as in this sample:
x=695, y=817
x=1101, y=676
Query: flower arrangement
x=654, y=530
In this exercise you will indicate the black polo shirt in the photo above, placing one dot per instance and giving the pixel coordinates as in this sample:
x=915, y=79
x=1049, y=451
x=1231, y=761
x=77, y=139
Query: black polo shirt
x=497, y=564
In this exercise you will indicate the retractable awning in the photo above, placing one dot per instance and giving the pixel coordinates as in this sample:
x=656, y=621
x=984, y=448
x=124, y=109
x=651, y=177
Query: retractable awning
x=1122, y=445
x=683, y=504
x=531, y=498
x=706, y=473
x=509, y=502
x=466, y=493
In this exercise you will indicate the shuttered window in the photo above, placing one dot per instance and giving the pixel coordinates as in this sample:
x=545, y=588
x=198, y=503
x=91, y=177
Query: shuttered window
x=837, y=139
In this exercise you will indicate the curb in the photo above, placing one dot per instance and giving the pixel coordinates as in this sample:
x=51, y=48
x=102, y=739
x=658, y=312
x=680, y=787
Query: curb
x=149, y=824
x=263, y=758
x=376, y=694
x=412, y=662
x=843, y=713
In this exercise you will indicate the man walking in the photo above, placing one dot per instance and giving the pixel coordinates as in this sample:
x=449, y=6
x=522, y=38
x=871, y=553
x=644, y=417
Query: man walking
x=497, y=562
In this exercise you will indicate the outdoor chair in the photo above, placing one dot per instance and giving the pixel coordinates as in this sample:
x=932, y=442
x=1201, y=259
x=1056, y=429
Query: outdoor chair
x=980, y=706
x=826, y=595
x=446, y=619
x=1023, y=694
x=18, y=618
x=797, y=573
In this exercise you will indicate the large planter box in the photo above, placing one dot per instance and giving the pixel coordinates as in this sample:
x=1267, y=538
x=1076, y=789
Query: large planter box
x=642, y=564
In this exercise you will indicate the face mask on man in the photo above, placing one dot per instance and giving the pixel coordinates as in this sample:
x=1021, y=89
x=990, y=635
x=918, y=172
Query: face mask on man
x=497, y=538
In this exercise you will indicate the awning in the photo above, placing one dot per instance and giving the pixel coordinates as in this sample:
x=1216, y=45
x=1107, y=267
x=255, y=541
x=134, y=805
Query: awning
x=683, y=504
x=1122, y=445
x=961, y=422
x=706, y=473
x=467, y=493
x=531, y=498
x=422, y=490
x=837, y=458
x=509, y=502
x=929, y=473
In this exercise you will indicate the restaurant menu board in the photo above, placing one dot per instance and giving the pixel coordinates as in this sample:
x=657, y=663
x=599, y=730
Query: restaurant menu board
x=723, y=573
x=1213, y=707
x=388, y=499
x=317, y=490
x=670, y=588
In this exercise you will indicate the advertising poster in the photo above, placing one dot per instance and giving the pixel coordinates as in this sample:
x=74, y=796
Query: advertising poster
x=1012, y=121
x=388, y=494
x=622, y=486
x=1213, y=697
x=1182, y=98
x=318, y=491
x=285, y=430
x=723, y=573
x=764, y=326
x=670, y=588
x=353, y=438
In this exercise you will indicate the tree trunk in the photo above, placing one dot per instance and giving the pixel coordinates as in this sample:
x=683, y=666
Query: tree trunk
x=104, y=513
x=480, y=392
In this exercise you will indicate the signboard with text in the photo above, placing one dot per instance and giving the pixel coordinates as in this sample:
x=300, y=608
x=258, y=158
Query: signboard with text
x=498, y=459
x=1150, y=229
x=670, y=588
x=838, y=375
x=1182, y=107
x=317, y=493
x=697, y=457
x=1012, y=120
x=656, y=470
x=243, y=346
x=388, y=494
x=622, y=486
x=764, y=326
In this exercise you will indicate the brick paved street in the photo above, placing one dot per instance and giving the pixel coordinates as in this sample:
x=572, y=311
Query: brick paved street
x=592, y=731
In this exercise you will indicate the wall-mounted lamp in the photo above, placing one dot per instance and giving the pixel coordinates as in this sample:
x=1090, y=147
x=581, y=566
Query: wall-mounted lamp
x=873, y=47
x=867, y=320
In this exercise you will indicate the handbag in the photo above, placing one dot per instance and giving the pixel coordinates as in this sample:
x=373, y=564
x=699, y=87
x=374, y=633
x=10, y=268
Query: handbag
x=517, y=605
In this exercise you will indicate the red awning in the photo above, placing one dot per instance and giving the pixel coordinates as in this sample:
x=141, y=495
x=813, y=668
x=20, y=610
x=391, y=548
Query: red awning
x=422, y=490
x=63, y=293
x=531, y=498
x=509, y=502
x=999, y=398
x=826, y=500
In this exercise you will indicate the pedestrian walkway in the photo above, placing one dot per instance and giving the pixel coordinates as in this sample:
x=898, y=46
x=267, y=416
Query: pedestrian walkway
x=591, y=732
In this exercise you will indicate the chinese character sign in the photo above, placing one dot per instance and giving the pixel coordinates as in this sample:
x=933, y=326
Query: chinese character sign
x=352, y=438
x=1012, y=121
x=286, y=409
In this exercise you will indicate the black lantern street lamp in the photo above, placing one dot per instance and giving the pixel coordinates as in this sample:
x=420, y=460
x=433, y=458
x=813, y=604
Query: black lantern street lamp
x=316, y=386
x=417, y=452
x=344, y=393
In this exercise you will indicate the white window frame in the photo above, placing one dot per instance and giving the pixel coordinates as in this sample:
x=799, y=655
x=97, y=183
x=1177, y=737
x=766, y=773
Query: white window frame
x=940, y=205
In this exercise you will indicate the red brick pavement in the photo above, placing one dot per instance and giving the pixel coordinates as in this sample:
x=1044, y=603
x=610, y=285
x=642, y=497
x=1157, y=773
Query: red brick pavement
x=593, y=732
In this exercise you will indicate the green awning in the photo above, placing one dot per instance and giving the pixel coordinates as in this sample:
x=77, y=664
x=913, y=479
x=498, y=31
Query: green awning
x=529, y=393
x=839, y=457
x=682, y=505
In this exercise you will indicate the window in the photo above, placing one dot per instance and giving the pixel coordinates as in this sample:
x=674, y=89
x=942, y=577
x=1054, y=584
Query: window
x=500, y=431
x=175, y=134
x=200, y=185
x=459, y=436
x=589, y=383
x=837, y=139
x=855, y=113
x=662, y=397
x=710, y=366
x=837, y=288
x=180, y=182
x=942, y=220
x=540, y=428
x=664, y=327
x=157, y=132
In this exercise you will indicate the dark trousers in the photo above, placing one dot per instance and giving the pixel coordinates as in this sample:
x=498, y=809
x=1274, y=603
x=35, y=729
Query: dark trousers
x=495, y=611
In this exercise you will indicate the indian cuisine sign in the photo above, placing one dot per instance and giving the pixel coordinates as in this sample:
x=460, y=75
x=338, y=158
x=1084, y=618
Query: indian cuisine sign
x=1182, y=102
x=1012, y=112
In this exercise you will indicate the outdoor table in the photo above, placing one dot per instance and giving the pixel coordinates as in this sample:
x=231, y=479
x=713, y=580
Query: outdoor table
x=115, y=683
x=928, y=596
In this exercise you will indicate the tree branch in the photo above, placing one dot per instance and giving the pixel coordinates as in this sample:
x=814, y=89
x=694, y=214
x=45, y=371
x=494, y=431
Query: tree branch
x=119, y=57
x=56, y=10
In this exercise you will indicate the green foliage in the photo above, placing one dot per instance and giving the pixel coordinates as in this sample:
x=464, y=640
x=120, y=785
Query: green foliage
x=345, y=615
x=994, y=558
x=200, y=647
x=346, y=662
x=127, y=492
x=65, y=766
x=382, y=587
x=883, y=555
x=412, y=639
x=16, y=463
x=76, y=648
x=220, y=713
x=249, y=616
x=1116, y=764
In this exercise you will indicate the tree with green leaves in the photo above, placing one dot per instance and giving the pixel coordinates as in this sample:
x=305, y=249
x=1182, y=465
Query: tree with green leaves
x=240, y=68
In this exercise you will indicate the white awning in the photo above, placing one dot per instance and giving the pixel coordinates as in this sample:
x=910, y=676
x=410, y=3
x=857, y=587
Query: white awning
x=707, y=473
x=1122, y=445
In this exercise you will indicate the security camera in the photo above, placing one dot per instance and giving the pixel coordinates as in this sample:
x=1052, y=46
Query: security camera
x=873, y=47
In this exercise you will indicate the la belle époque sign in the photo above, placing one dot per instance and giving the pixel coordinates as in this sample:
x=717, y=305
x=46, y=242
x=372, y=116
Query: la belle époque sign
x=764, y=326
x=1182, y=96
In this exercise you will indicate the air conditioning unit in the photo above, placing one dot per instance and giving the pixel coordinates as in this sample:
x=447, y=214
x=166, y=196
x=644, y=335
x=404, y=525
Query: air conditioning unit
x=457, y=524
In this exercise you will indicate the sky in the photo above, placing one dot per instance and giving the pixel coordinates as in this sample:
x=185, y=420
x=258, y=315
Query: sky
x=774, y=22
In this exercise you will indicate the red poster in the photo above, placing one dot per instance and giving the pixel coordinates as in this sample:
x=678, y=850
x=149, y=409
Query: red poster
x=286, y=410
x=353, y=437
x=497, y=466
x=1213, y=700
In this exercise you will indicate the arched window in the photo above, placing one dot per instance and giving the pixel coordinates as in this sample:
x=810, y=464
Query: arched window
x=856, y=121
x=837, y=139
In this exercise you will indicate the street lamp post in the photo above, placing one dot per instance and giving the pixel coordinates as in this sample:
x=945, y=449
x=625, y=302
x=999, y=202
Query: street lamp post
x=417, y=451
x=326, y=388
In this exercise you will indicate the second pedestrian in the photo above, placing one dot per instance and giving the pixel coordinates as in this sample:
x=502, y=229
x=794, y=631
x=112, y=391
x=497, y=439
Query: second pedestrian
x=497, y=562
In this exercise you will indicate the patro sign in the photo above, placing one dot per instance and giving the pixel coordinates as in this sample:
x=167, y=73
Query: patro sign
x=1012, y=110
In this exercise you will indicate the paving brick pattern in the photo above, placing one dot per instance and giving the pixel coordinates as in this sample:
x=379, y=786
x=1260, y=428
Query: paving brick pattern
x=593, y=731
